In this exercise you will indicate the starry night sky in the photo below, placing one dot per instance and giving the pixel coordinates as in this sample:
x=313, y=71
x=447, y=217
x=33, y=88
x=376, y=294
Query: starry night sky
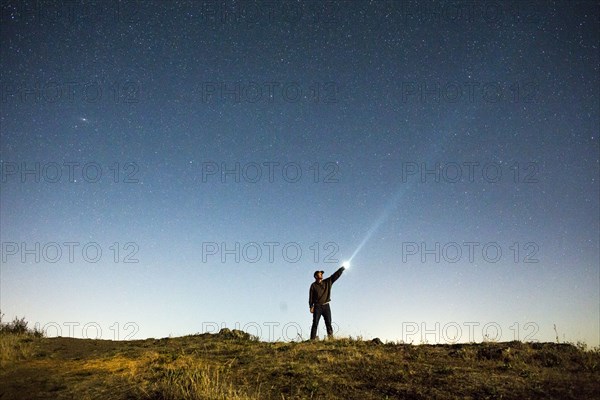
x=355, y=125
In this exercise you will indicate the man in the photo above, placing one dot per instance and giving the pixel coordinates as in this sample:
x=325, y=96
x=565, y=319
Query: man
x=319, y=297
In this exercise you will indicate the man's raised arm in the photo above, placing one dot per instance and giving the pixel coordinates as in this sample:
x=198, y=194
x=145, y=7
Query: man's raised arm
x=337, y=274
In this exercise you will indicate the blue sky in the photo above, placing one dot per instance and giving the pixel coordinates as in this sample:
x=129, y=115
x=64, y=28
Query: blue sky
x=168, y=168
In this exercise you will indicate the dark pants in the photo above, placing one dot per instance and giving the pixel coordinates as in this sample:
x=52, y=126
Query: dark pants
x=325, y=311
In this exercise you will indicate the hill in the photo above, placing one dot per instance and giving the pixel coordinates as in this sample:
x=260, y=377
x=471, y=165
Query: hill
x=234, y=365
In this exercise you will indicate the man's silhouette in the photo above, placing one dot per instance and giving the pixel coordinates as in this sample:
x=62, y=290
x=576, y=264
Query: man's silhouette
x=319, y=297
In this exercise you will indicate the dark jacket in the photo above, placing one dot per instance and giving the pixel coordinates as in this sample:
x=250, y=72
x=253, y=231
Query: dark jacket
x=320, y=293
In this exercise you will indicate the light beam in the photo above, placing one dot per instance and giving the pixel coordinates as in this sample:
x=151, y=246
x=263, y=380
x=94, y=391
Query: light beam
x=393, y=203
x=384, y=216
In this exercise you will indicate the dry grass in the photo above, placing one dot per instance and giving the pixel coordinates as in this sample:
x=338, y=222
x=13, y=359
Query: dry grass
x=15, y=347
x=240, y=368
x=185, y=378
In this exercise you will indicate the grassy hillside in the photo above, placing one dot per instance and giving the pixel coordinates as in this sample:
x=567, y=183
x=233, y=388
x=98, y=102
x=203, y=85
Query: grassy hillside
x=233, y=365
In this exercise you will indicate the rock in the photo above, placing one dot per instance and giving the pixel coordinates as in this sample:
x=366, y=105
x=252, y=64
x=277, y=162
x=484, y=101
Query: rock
x=376, y=341
x=227, y=333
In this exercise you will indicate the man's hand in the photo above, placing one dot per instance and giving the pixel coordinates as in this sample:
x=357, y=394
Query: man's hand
x=312, y=310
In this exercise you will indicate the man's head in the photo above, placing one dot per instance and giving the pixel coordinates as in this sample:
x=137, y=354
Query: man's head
x=318, y=275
